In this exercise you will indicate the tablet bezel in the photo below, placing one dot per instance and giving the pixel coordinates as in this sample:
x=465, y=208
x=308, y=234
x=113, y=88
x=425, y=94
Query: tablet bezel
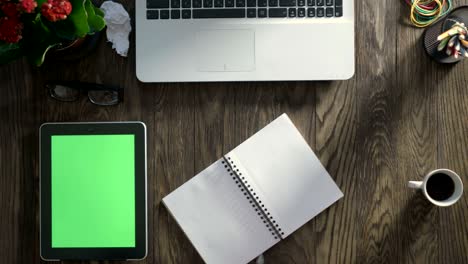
x=47, y=130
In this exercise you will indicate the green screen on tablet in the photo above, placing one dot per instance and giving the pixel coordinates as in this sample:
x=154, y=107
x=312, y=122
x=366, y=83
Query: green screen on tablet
x=93, y=191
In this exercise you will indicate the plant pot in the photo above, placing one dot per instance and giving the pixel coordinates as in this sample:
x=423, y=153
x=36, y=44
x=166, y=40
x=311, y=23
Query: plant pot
x=75, y=49
x=459, y=14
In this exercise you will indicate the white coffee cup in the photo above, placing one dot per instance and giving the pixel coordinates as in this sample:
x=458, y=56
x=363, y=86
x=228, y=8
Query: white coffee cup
x=458, y=187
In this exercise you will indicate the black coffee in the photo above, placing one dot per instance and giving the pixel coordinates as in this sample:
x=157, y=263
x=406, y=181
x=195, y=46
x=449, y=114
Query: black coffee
x=440, y=187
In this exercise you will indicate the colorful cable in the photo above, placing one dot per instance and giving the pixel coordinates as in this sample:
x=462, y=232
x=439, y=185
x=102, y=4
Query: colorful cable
x=425, y=12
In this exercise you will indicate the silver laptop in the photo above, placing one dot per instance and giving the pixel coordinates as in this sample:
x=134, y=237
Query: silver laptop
x=244, y=40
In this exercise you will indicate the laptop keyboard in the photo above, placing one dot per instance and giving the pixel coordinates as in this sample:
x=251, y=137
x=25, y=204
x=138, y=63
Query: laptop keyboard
x=204, y=9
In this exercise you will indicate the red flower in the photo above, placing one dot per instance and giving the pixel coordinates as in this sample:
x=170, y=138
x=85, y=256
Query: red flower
x=10, y=29
x=10, y=9
x=55, y=10
x=28, y=6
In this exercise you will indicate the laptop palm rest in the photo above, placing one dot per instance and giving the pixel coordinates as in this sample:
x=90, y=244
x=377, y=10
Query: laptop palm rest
x=225, y=50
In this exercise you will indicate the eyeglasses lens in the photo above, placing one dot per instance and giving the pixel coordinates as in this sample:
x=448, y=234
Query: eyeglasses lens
x=103, y=97
x=64, y=93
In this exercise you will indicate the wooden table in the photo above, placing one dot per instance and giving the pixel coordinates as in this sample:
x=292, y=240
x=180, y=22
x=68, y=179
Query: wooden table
x=401, y=116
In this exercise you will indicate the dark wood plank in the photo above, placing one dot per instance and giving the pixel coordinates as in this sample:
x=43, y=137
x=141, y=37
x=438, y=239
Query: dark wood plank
x=214, y=105
x=337, y=148
x=417, y=144
x=452, y=120
x=297, y=100
x=173, y=164
x=377, y=117
x=212, y=108
x=18, y=181
x=428, y=234
x=451, y=109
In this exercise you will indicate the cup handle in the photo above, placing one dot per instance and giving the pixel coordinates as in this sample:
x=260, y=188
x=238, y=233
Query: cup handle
x=415, y=184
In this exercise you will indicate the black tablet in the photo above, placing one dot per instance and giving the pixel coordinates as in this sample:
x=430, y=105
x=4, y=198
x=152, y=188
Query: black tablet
x=93, y=191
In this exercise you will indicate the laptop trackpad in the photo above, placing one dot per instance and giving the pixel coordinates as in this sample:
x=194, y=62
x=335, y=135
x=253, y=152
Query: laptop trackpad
x=225, y=50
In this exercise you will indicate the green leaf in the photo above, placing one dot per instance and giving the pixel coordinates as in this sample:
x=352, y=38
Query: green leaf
x=96, y=22
x=44, y=41
x=99, y=12
x=39, y=57
x=9, y=52
x=79, y=18
x=84, y=19
x=63, y=28
x=40, y=2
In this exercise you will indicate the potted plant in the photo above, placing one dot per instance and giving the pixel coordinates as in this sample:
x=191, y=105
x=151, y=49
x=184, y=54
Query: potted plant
x=33, y=27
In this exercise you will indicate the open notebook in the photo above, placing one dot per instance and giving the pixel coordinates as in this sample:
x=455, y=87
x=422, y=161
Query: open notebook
x=256, y=195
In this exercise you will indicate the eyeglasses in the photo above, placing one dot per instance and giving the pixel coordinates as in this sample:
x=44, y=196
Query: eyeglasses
x=98, y=94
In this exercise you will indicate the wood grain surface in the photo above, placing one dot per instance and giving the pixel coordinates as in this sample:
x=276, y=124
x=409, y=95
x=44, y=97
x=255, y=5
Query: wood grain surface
x=399, y=117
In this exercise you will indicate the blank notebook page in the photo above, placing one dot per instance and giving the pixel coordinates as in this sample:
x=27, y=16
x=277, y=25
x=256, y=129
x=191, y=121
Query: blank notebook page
x=288, y=177
x=218, y=219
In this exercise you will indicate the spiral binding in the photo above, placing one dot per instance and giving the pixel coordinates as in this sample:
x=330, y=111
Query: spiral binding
x=252, y=197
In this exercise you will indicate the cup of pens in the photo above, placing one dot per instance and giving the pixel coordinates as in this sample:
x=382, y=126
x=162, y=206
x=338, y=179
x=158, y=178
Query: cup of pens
x=447, y=40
